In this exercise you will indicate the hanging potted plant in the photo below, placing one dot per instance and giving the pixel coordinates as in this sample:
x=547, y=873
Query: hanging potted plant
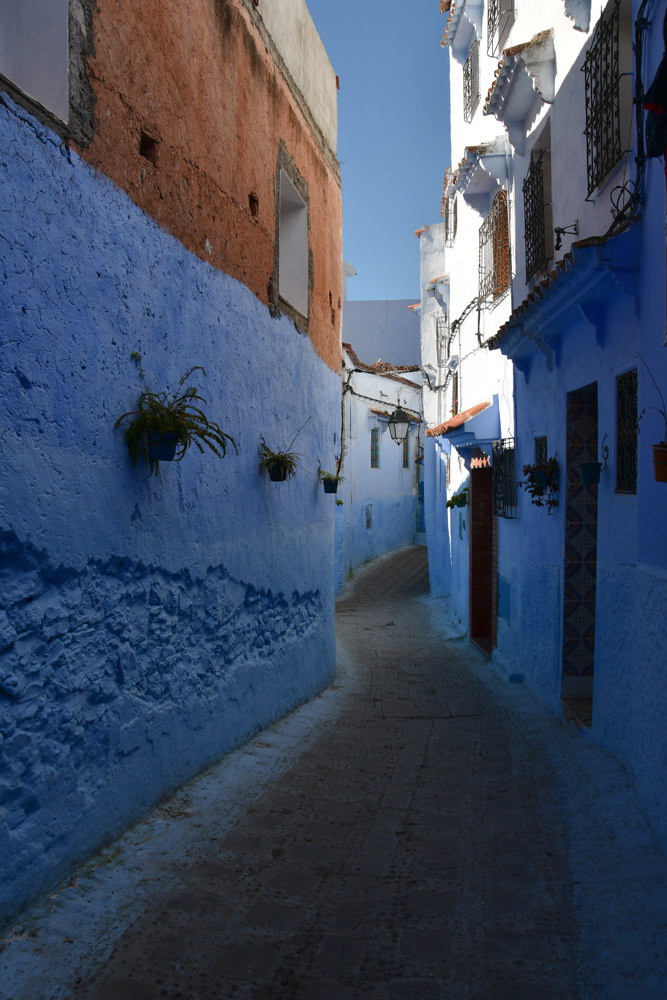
x=458, y=499
x=280, y=465
x=541, y=483
x=660, y=449
x=330, y=481
x=163, y=425
x=589, y=473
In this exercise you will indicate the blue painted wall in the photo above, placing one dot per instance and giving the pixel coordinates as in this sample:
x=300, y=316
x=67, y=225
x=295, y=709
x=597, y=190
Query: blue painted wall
x=147, y=626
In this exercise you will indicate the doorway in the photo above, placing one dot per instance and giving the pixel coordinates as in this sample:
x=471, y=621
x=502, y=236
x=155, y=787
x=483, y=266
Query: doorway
x=483, y=561
x=580, y=576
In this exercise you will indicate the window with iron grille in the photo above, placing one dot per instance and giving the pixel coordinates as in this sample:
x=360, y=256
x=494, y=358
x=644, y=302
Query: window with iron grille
x=442, y=340
x=500, y=21
x=448, y=470
x=455, y=393
x=626, y=432
x=375, y=447
x=602, y=71
x=471, y=82
x=533, y=211
x=540, y=450
x=494, y=250
x=406, y=452
x=504, y=478
x=451, y=213
x=368, y=516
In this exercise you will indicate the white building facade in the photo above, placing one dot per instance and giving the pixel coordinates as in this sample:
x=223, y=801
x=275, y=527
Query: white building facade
x=543, y=319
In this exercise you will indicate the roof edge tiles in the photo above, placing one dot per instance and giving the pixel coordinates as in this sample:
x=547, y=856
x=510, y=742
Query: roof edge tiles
x=454, y=422
x=525, y=73
x=383, y=368
x=458, y=9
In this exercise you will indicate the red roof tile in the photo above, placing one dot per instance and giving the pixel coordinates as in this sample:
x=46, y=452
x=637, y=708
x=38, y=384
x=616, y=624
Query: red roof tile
x=454, y=422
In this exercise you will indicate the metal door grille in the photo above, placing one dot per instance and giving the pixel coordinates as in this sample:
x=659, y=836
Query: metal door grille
x=471, y=82
x=504, y=479
x=533, y=210
x=626, y=432
x=494, y=250
x=603, y=103
x=501, y=19
x=375, y=448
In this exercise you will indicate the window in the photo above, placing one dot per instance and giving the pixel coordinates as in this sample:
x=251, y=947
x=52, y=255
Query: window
x=541, y=450
x=368, y=515
x=455, y=393
x=375, y=447
x=293, y=247
x=406, y=452
x=602, y=70
x=500, y=21
x=471, y=82
x=448, y=470
x=626, y=432
x=494, y=250
x=451, y=214
x=504, y=478
x=442, y=340
x=34, y=52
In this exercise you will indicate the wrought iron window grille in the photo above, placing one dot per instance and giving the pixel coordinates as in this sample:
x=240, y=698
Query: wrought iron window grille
x=604, y=146
x=406, y=452
x=499, y=24
x=471, y=82
x=442, y=340
x=375, y=448
x=504, y=479
x=494, y=250
x=455, y=393
x=626, y=432
x=541, y=452
x=533, y=210
x=451, y=220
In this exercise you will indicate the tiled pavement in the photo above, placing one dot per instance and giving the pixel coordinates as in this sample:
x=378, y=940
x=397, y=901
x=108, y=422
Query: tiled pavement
x=428, y=832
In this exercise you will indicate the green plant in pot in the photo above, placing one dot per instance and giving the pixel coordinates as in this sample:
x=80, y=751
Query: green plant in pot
x=541, y=483
x=163, y=427
x=458, y=499
x=330, y=481
x=280, y=465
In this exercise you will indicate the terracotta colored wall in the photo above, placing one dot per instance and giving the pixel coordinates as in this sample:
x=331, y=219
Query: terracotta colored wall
x=196, y=76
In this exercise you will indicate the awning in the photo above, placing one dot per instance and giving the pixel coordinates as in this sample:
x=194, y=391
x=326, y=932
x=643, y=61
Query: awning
x=481, y=172
x=526, y=76
x=471, y=427
x=464, y=23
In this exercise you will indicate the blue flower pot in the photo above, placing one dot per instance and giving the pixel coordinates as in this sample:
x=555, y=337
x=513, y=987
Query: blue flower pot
x=162, y=447
x=589, y=473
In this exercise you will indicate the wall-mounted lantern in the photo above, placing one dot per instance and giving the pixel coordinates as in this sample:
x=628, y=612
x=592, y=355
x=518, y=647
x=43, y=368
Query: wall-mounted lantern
x=399, y=425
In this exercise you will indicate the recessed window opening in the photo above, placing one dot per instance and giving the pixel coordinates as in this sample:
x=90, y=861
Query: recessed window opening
x=540, y=450
x=626, y=432
x=375, y=447
x=504, y=479
x=293, y=247
x=368, y=514
x=494, y=250
x=406, y=452
x=537, y=206
x=34, y=51
x=455, y=393
x=253, y=204
x=148, y=148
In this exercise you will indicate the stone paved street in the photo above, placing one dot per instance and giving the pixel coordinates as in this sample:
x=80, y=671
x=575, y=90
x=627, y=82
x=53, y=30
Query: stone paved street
x=423, y=830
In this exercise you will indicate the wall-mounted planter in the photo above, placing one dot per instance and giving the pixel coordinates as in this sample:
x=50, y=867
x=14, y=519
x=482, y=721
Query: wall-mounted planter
x=589, y=473
x=162, y=447
x=660, y=461
x=330, y=486
x=541, y=478
x=277, y=473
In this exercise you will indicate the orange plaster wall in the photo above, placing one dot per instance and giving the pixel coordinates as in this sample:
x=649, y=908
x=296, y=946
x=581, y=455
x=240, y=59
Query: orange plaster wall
x=196, y=76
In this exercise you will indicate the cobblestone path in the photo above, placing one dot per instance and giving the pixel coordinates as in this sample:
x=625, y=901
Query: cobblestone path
x=440, y=836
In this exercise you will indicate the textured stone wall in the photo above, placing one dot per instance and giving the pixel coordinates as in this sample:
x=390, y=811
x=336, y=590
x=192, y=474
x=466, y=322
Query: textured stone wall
x=147, y=625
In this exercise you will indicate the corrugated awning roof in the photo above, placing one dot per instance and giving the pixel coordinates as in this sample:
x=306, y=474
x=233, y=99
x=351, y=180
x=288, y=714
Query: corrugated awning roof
x=458, y=420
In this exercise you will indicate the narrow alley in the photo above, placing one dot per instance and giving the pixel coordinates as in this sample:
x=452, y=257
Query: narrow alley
x=420, y=830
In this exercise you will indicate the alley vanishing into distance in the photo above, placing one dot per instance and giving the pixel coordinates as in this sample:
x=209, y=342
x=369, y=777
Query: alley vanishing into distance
x=420, y=830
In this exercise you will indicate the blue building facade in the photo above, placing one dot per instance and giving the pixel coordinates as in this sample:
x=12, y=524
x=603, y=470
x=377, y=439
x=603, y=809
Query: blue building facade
x=148, y=625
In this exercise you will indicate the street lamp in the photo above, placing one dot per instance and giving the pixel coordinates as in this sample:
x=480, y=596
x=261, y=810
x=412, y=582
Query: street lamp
x=399, y=424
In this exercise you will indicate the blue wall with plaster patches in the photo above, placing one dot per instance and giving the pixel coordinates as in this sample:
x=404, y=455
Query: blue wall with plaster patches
x=147, y=625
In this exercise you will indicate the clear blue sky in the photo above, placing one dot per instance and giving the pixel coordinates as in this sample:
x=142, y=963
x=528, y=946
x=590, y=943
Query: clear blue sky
x=393, y=133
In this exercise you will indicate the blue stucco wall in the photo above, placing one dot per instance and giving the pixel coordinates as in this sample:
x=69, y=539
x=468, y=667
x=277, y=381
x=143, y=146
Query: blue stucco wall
x=147, y=626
